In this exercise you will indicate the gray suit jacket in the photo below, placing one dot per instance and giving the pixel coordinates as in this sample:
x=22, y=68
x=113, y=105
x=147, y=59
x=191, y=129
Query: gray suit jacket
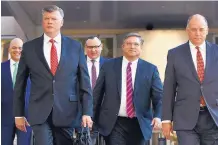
x=182, y=88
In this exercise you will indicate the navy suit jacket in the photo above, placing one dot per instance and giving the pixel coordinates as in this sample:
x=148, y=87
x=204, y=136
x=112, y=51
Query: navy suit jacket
x=7, y=116
x=183, y=89
x=107, y=96
x=58, y=94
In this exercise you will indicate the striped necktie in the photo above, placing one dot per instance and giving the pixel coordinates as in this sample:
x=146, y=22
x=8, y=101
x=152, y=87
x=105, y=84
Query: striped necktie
x=129, y=92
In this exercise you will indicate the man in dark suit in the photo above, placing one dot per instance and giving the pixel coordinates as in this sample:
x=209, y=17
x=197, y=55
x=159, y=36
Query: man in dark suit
x=190, y=88
x=8, y=77
x=124, y=90
x=93, y=48
x=56, y=65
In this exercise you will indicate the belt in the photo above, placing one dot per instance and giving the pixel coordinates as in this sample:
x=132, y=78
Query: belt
x=203, y=108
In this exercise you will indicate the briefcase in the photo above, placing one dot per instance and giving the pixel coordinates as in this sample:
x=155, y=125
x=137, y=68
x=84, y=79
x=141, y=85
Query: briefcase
x=82, y=138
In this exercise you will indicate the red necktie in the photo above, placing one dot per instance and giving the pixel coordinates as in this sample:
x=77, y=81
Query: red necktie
x=129, y=92
x=54, y=57
x=200, y=70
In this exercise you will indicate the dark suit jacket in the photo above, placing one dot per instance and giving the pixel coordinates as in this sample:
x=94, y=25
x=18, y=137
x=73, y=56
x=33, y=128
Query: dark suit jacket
x=182, y=88
x=7, y=115
x=58, y=93
x=107, y=95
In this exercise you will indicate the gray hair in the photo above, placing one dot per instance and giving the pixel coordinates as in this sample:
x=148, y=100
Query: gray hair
x=52, y=8
x=133, y=35
x=196, y=15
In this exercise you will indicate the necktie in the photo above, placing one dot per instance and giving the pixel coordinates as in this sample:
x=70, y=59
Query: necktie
x=129, y=92
x=54, y=57
x=94, y=76
x=14, y=73
x=200, y=70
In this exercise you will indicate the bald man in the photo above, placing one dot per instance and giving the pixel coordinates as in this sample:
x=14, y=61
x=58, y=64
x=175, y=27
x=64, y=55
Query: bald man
x=190, y=88
x=8, y=75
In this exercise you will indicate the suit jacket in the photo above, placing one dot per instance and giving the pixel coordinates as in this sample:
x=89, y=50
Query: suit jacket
x=58, y=94
x=182, y=88
x=107, y=96
x=7, y=115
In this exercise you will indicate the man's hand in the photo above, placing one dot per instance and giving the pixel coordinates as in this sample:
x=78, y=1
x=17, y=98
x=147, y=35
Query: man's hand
x=21, y=123
x=156, y=123
x=167, y=129
x=87, y=121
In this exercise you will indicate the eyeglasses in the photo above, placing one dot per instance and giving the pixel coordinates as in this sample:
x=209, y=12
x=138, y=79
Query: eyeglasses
x=134, y=44
x=91, y=47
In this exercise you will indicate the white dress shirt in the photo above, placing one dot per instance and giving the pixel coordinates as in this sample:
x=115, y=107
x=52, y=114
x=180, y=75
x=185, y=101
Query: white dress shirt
x=97, y=66
x=12, y=67
x=193, y=50
x=47, y=47
x=122, y=111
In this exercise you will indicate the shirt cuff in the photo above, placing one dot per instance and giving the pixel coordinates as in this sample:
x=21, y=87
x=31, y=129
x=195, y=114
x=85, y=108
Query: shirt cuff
x=166, y=121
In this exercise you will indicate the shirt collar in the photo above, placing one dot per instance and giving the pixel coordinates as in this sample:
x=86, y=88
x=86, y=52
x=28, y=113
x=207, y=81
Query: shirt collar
x=57, y=38
x=12, y=62
x=127, y=61
x=96, y=60
x=202, y=46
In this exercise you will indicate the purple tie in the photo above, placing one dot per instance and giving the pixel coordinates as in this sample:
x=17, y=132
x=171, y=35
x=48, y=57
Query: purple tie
x=94, y=76
x=129, y=92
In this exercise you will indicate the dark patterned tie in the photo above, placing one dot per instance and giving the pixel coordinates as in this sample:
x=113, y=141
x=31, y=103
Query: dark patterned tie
x=94, y=75
x=54, y=57
x=200, y=70
x=129, y=92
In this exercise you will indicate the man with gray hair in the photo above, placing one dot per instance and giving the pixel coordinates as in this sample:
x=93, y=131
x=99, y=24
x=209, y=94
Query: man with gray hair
x=190, y=98
x=60, y=84
x=123, y=94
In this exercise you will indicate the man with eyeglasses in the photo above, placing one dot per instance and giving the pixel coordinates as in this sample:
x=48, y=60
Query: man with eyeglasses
x=93, y=49
x=8, y=78
x=123, y=94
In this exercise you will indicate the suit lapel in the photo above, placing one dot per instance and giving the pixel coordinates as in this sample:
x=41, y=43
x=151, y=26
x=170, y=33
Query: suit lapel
x=189, y=61
x=118, y=70
x=8, y=72
x=209, y=60
x=139, y=72
x=40, y=53
x=101, y=62
x=64, y=44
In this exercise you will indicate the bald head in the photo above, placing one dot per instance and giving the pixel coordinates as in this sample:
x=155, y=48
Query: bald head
x=197, y=17
x=15, y=49
x=93, y=47
x=197, y=29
